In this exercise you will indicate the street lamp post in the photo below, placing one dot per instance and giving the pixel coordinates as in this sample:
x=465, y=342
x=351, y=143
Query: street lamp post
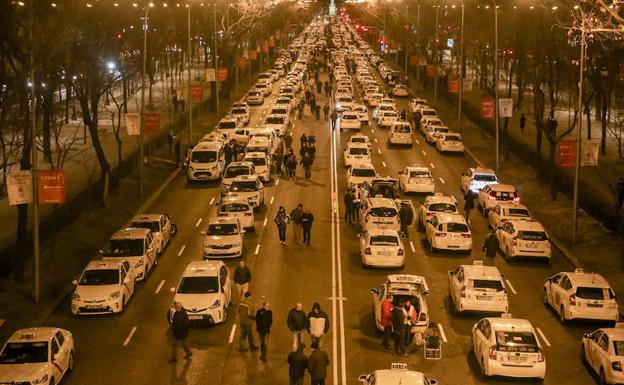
x=437, y=60
x=190, y=62
x=405, y=50
x=418, y=44
x=143, y=70
x=496, y=84
x=214, y=20
x=461, y=70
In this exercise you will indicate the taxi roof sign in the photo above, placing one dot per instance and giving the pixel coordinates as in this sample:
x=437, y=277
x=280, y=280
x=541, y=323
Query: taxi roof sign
x=506, y=315
x=477, y=263
x=579, y=270
x=619, y=325
x=398, y=366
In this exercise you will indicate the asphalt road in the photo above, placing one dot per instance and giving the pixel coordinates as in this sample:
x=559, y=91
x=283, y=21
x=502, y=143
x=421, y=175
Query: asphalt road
x=134, y=347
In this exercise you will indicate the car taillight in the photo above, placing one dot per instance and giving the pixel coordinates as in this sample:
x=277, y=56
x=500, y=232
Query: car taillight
x=492, y=197
x=398, y=219
x=223, y=214
x=430, y=214
x=516, y=200
x=617, y=366
x=462, y=292
x=493, y=353
x=422, y=317
x=514, y=242
x=401, y=252
x=367, y=251
x=442, y=235
x=466, y=235
x=248, y=214
x=367, y=217
x=504, y=220
x=573, y=300
x=540, y=355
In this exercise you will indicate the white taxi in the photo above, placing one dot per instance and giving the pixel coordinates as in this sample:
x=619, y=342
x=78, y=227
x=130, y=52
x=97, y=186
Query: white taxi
x=449, y=142
x=385, y=119
x=523, y=239
x=603, y=352
x=227, y=125
x=254, y=97
x=373, y=98
x=400, y=132
x=403, y=287
x=262, y=163
x=433, y=204
x=241, y=113
x=362, y=112
x=161, y=226
x=236, y=206
x=448, y=232
x=205, y=292
x=381, y=248
x=427, y=122
x=136, y=246
x=581, y=295
x=508, y=347
x=381, y=108
x=234, y=170
x=223, y=237
x=360, y=138
x=206, y=161
x=416, y=104
x=476, y=178
x=379, y=213
x=350, y=120
x=493, y=194
x=397, y=374
x=279, y=123
x=507, y=211
x=416, y=180
x=400, y=91
x=433, y=131
x=249, y=187
x=478, y=288
x=43, y=355
x=344, y=102
x=357, y=153
x=104, y=287
x=360, y=173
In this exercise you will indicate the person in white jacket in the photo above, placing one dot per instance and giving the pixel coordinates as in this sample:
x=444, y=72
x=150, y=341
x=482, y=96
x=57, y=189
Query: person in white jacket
x=318, y=323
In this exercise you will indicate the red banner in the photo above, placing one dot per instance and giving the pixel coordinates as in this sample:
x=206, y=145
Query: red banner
x=453, y=85
x=152, y=121
x=242, y=62
x=265, y=48
x=413, y=60
x=197, y=93
x=487, y=108
x=222, y=74
x=51, y=186
x=253, y=54
x=566, y=153
x=431, y=70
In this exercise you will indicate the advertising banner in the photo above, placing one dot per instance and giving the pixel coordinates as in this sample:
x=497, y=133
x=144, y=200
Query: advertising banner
x=197, y=93
x=51, y=186
x=589, y=153
x=430, y=70
x=566, y=153
x=152, y=123
x=453, y=85
x=211, y=75
x=133, y=123
x=487, y=108
x=19, y=187
x=413, y=60
x=222, y=74
x=505, y=108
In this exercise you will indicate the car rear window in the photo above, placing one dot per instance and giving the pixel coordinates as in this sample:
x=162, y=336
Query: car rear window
x=233, y=172
x=358, y=151
x=275, y=120
x=484, y=177
x=364, y=172
x=420, y=174
x=227, y=125
x=518, y=342
x=383, y=212
x=235, y=207
x=442, y=207
x=532, y=235
x=503, y=195
x=456, y=228
x=597, y=293
x=487, y=284
x=402, y=128
x=384, y=240
x=244, y=186
x=519, y=213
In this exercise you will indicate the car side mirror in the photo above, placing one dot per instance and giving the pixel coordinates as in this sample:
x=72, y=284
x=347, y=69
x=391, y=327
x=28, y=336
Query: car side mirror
x=55, y=357
x=202, y=232
x=433, y=382
x=172, y=289
x=243, y=231
x=75, y=282
x=363, y=378
x=101, y=251
x=586, y=335
x=374, y=290
x=360, y=235
x=450, y=272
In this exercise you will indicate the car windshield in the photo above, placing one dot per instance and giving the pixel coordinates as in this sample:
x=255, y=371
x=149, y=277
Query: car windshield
x=243, y=186
x=227, y=125
x=518, y=342
x=532, y=235
x=618, y=348
x=402, y=128
x=357, y=139
x=383, y=212
x=257, y=161
x=275, y=120
x=487, y=284
x=596, y=293
x=429, y=113
x=343, y=99
x=363, y=172
x=524, y=213
x=222, y=229
x=257, y=149
x=442, y=207
x=484, y=177
x=358, y=151
x=124, y=247
x=419, y=174
x=350, y=117
x=238, y=111
x=279, y=111
x=384, y=240
x=203, y=156
x=389, y=114
x=151, y=225
x=234, y=207
x=452, y=227
x=233, y=172
x=198, y=285
x=452, y=138
x=441, y=129
x=24, y=353
x=100, y=277
x=254, y=93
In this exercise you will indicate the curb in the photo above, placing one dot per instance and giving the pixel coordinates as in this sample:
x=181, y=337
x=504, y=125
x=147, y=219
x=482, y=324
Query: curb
x=67, y=290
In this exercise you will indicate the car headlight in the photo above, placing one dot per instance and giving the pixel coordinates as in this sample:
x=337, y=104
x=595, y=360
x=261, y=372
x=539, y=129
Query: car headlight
x=75, y=297
x=41, y=380
x=216, y=304
x=191, y=168
x=115, y=294
x=236, y=244
x=140, y=263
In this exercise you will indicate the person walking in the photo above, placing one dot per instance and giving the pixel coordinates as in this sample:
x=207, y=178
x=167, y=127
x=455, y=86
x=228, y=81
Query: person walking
x=242, y=277
x=417, y=116
x=291, y=165
x=300, y=108
x=319, y=87
x=318, y=323
x=296, y=216
x=281, y=219
x=398, y=325
x=306, y=223
x=469, y=198
x=348, y=202
x=620, y=192
x=333, y=117
x=279, y=159
x=317, y=111
x=490, y=244
x=406, y=215
x=288, y=141
x=179, y=329
x=326, y=111
x=264, y=321
x=522, y=122
x=327, y=89
x=317, y=364
x=297, y=323
x=246, y=317
x=177, y=151
x=386, y=320
x=410, y=318
x=303, y=139
x=306, y=162
x=297, y=364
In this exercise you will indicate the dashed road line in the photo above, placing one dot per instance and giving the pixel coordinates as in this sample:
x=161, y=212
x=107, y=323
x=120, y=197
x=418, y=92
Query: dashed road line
x=424, y=153
x=442, y=334
x=257, y=249
x=265, y=222
x=160, y=285
x=272, y=198
x=513, y=289
x=181, y=250
x=432, y=165
x=379, y=150
x=417, y=141
x=231, y=339
x=412, y=247
x=199, y=221
x=442, y=180
x=383, y=163
x=212, y=201
x=539, y=331
x=127, y=341
x=277, y=182
x=375, y=139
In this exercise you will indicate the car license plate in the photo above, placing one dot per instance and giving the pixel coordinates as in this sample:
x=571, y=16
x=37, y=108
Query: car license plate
x=385, y=253
x=531, y=245
x=195, y=317
x=516, y=359
x=93, y=306
x=594, y=305
x=453, y=247
x=484, y=298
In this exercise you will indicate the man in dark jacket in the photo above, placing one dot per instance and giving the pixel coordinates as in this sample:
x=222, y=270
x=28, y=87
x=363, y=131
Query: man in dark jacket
x=469, y=198
x=227, y=153
x=306, y=224
x=242, y=277
x=264, y=320
x=333, y=117
x=317, y=364
x=179, y=328
x=490, y=244
x=318, y=323
x=297, y=323
x=246, y=317
x=297, y=364
x=296, y=215
x=407, y=217
x=417, y=116
x=398, y=324
x=306, y=162
x=348, y=202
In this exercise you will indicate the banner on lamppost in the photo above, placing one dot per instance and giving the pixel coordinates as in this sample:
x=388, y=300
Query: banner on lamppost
x=19, y=187
x=211, y=75
x=453, y=85
x=505, y=108
x=566, y=153
x=253, y=54
x=133, y=123
x=51, y=186
x=222, y=74
x=589, y=152
x=431, y=70
x=265, y=47
x=242, y=62
x=152, y=123
x=197, y=93
x=413, y=60
x=487, y=108
x=467, y=84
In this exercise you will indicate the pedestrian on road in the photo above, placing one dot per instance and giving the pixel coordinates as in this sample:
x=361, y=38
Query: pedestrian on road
x=303, y=139
x=281, y=219
x=297, y=322
x=317, y=364
x=348, y=202
x=398, y=325
x=386, y=320
x=177, y=151
x=300, y=108
x=403, y=114
x=264, y=321
x=179, y=328
x=620, y=192
x=227, y=152
x=410, y=318
x=297, y=364
x=246, y=317
x=306, y=223
x=406, y=215
x=242, y=277
x=416, y=118
x=317, y=112
x=318, y=324
x=319, y=86
x=490, y=244
x=279, y=159
x=288, y=141
x=327, y=89
x=296, y=216
x=469, y=198
x=333, y=117
x=522, y=122
x=306, y=162
x=326, y=111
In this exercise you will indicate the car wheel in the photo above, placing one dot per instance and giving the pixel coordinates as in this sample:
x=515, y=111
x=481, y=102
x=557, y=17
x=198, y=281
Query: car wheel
x=225, y=314
x=123, y=302
x=562, y=317
x=545, y=297
x=483, y=371
x=484, y=211
x=603, y=379
x=161, y=249
x=52, y=381
x=432, y=248
x=583, y=358
x=70, y=362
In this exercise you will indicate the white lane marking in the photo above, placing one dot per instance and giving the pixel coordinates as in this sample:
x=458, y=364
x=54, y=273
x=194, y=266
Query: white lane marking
x=181, y=250
x=127, y=341
x=412, y=247
x=257, y=249
x=265, y=222
x=539, y=331
x=417, y=142
x=442, y=334
x=160, y=285
x=272, y=198
x=211, y=201
x=424, y=153
x=198, y=222
x=231, y=339
x=513, y=289
x=379, y=150
x=375, y=139
x=277, y=182
x=442, y=180
x=383, y=163
x=373, y=130
x=432, y=165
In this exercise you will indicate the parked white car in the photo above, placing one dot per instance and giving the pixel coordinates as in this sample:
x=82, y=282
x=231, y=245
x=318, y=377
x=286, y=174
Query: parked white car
x=249, y=187
x=360, y=173
x=234, y=170
x=493, y=194
x=279, y=123
x=223, y=237
x=478, y=288
x=379, y=213
x=523, y=239
x=262, y=163
x=400, y=132
x=397, y=374
x=136, y=246
x=385, y=119
x=449, y=142
x=206, y=161
x=241, y=113
x=448, y=232
x=400, y=91
x=357, y=153
x=104, y=287
x=476, y=178
x=161, y=226
x=404, y=287
x=415, y=179
x=236, y=206
x=433, y=204
x=350, y=120
x=381, y=248
x=603, y=352
x=507, y=211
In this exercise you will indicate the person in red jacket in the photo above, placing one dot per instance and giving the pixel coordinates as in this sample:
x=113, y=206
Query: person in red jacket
x=386, y=320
